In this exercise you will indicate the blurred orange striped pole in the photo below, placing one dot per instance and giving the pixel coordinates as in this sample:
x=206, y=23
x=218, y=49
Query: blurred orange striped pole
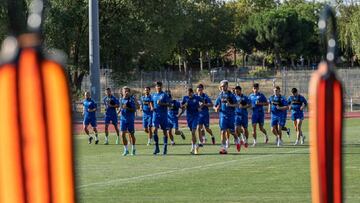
x=326, y=122
x=36, y=154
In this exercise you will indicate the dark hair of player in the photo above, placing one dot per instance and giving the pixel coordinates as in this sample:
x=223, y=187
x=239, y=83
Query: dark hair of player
x=238, y=87
x=294, y=90
x=159, y=83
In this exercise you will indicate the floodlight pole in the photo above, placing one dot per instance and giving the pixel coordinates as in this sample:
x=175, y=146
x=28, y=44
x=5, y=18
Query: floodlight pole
x=94, y=50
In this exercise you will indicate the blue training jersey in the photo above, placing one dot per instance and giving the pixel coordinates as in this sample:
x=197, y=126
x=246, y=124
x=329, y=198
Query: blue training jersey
x=89, y=104
x=173, y=109
x=243, y=100
x=145, y=104
x=277, y=101
x=258, y=97
x=192, y=105
x=296, y=102
x=110, y=111
x=163, y=98
x=128, y=114
x=223, y=99
x=206, y=100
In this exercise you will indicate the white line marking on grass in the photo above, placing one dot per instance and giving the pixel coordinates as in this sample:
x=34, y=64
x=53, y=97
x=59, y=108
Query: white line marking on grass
x=128, y=180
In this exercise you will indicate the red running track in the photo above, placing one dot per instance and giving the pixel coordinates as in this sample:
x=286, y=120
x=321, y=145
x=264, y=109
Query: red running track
x=78, y=128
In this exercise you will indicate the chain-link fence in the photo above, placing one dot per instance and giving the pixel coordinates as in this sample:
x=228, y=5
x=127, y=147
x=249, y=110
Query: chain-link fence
x=178, y=82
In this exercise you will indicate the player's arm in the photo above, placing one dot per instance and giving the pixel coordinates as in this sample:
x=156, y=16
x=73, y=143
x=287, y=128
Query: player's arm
x=132, y=107
x=217, y=104
x=116, y=105
x=83, y=111
x=92, y=110
x=163, y=103
x=181, y=112
x=269, y=106
x=151, y=104
x=208, y=103
x=183, y=106
x=137, y=105
x=228, y=104
x=284, y=106
x=263, y=101
x=245, y=104
x=141, y=106
x=303, y=105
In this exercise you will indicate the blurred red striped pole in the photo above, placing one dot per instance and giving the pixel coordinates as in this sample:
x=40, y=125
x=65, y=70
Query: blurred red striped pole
x=326, y=122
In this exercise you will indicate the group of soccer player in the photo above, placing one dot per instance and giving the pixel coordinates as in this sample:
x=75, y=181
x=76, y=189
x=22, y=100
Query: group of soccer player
x=160, y=111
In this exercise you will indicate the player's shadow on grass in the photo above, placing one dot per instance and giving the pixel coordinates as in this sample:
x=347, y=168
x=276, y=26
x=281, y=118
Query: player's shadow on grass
x=229, y=154
x=351, y=145
x=283, y=146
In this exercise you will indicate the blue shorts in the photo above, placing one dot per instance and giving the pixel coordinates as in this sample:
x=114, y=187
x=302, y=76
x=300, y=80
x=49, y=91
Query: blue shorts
x=258, y=118
x=160, y=121
x=298, y=115
x=173, y=123
x=147, y=120
x=204, y=119
x=192, y=122
x=241, y=120
x=277, y=120
x=227, y=123
x=112, y=118
x=127, y=125
x=91, y=121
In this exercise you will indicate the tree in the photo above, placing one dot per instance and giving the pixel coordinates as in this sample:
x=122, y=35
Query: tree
x=138, y=34
x=66, y=28
x=346, y=30
x=210, y=30
x=281, y=32
x=355, y=30
x=3, y=21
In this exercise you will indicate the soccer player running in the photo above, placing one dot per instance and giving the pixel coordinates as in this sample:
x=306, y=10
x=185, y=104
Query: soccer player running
x=277, y=106
x=191, y=103
x=241, y=115
x=161, y=102
x=258, y=101
x=297, y=103
x=89, y=109
x=173, y=119
x=146, y=103
x=111, y=104
x=127, y=120
x=226, y=104
x=204, y=117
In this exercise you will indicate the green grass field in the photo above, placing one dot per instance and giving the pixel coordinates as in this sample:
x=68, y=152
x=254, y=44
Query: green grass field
x=261, y=174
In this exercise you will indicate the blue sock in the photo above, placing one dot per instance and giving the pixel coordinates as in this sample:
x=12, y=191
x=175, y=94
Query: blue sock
x=156, y=139
x=165, y=138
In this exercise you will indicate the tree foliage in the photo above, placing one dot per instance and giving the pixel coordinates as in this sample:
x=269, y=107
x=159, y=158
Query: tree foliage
x=139, y=35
